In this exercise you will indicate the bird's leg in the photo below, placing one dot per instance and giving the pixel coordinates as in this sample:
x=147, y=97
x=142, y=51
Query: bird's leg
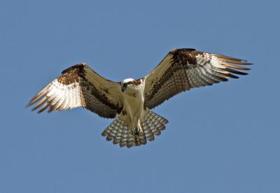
x=138, y=129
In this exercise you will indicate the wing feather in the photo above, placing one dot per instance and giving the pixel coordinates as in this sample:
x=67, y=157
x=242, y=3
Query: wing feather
x=184, y=69
x=79, y=86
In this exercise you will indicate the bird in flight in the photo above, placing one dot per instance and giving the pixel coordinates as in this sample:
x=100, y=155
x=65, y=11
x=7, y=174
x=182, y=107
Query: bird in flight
x=130, y=102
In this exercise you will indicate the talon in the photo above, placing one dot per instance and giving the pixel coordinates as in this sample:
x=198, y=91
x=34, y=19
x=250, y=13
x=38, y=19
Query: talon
x=139, y=131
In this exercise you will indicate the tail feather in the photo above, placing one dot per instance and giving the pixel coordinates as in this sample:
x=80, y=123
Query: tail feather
x=152, y=125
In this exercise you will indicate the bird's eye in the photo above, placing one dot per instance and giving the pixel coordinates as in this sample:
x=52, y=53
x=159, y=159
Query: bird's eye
x=124, y=86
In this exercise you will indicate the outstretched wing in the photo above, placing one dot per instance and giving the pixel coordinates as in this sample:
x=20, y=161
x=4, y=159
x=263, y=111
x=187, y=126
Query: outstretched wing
x=80, y=86
x=183, y=69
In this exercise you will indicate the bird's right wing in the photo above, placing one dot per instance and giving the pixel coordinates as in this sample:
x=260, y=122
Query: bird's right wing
x=80, y=86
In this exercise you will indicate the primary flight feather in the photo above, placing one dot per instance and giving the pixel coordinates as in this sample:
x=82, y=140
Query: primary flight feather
x=130, y=101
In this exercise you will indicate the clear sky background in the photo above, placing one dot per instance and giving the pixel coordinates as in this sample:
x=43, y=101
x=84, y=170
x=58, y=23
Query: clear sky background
x=220, y=139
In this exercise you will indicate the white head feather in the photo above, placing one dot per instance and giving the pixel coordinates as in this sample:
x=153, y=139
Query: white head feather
x=127, y=80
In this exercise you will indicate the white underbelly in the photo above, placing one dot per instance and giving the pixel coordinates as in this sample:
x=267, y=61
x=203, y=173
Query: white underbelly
x=134, y=109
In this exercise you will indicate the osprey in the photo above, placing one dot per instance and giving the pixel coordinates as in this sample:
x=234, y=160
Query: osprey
x=130, y=101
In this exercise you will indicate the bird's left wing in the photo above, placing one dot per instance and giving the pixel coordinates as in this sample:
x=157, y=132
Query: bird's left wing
x=80, y=86
x=183, y=69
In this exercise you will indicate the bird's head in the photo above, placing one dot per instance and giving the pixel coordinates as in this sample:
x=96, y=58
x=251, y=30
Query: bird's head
x=125, y=83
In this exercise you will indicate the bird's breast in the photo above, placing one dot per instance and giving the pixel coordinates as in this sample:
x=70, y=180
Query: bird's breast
x=133, y=101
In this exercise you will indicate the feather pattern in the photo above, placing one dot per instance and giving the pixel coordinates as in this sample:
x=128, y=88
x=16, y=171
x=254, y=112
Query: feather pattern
x=79, y=86
x=130, y=101
x=117, y=132
x=184, y=69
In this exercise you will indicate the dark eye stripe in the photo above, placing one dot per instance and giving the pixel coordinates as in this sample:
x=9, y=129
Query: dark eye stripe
x=127, y=83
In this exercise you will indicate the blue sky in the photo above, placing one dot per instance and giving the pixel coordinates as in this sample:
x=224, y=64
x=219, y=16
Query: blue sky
x=223, y=138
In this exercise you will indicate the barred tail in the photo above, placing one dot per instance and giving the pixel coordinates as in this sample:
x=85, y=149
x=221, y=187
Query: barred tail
x=153, y=125
x=119, y=133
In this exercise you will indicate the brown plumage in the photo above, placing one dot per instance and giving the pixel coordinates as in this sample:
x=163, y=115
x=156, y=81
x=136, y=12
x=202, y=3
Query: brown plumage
x=75, y=88
x=183, y=69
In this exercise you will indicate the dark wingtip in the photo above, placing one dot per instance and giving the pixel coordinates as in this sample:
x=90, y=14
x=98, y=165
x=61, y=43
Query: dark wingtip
x=235, y=71
x=233, y=76
x=245, y=62
x=43, y=109
x=32, y=101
